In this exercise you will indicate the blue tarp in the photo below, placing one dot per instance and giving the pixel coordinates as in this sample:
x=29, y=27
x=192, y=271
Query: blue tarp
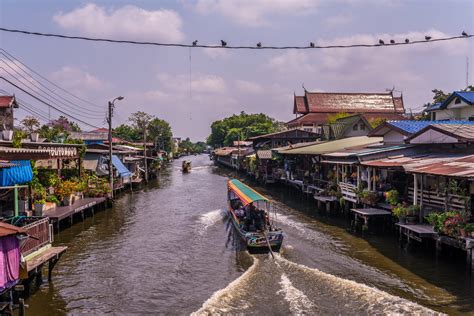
x=124, y=172
x=19, y=174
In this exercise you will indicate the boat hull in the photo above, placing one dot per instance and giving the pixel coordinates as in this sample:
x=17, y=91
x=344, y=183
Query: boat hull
x=256, y=242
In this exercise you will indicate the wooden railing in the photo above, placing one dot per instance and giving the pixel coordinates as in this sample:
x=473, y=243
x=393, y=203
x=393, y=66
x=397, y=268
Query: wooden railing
x=348, y=191
x=432, y=198
x=41, y=231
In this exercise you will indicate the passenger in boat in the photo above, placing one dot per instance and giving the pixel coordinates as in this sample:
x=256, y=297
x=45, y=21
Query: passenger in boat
x=260, y=221
x=250, y=216
x=240, y=213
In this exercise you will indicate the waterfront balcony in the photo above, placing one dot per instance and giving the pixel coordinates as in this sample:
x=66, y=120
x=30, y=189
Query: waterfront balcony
x=348, y=191
x=438, y=201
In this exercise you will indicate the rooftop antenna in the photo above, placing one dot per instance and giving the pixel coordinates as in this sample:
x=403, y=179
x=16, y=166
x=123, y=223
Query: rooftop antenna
x=303, y=87
x=190, y=83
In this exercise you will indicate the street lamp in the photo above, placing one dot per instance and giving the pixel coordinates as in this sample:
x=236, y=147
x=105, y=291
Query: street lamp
x=109, y=120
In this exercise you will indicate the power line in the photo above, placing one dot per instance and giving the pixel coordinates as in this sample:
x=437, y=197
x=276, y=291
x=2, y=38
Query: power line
x=44, y=102
x=48, y=96
x=36, y=83
x=428, y=39
x=18, y=61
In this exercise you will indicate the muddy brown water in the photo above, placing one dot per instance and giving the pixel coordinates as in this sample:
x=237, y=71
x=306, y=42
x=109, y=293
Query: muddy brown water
x=170, y=249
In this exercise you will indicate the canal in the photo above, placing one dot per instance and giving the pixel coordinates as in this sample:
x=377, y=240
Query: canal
x=169, y=249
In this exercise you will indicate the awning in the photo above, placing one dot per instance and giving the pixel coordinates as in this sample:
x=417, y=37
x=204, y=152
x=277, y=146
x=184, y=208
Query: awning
x=123, y=171
x=245, y=193
x=21, y=173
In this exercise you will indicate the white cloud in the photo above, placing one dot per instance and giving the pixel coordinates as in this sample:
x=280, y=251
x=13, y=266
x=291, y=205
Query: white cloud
x=77, y=80
x=290, y=61
x=338, y=20
x=248, y=87
x=127, y=22
x=200, y=83
x=255, y=13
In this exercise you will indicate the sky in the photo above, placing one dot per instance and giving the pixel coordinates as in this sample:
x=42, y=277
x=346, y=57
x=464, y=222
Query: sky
x=191, y=88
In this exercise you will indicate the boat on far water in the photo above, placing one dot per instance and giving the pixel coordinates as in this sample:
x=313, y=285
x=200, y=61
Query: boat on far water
x=252, y=217
x=186, y=166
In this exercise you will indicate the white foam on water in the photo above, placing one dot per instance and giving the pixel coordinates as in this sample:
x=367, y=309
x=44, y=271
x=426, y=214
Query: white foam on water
x=219, y=302
x=209, y=219
x=299, y=303
x=372, y=299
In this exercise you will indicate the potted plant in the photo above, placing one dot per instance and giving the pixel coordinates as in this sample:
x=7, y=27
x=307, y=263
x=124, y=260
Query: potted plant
x=40, y=207
x=412, y=214
x=400, y=211
x=65, y=191
x=469, y=229
x=392, y=197
x=31, y=126
x=368, y=197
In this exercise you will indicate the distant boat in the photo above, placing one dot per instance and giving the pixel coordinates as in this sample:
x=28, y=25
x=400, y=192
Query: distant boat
x=252, y=217
x=186, y=166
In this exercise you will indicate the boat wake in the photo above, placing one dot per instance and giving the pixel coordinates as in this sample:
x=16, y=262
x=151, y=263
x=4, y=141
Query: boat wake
x=283, y=287
x=299, y=303
x=209, y=219
x=228, y=298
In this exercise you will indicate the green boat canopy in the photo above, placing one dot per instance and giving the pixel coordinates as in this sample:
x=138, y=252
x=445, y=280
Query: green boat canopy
x=245, y=193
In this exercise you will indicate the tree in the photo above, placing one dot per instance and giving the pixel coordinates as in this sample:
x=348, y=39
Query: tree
x=127, y=132
x=30, y=124
x=160, y=131
x=242, y=126
x=332, y=118
x=140, y=120
x=59, y=129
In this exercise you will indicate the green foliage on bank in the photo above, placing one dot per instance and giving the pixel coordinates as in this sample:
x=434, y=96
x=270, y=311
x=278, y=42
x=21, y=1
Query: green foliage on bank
x=224, y=132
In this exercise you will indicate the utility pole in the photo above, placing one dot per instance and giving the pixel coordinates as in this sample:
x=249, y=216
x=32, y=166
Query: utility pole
x=109, y=120
x=144, y=152
x=111, y=176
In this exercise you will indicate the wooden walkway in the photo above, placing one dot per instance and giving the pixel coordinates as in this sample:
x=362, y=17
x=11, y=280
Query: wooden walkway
x=61, y=212
x=365, y=216
x=417, y=232
x=51, y=254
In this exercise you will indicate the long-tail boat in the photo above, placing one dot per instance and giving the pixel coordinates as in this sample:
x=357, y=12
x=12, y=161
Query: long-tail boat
x=253, y=218
x=186, y=166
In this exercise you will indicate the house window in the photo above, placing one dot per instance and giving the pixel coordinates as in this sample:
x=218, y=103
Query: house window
x=457, y=101
x=362, y=127
x=355, y=127
x=433, y=116
x=308, y=129
x=471, y=118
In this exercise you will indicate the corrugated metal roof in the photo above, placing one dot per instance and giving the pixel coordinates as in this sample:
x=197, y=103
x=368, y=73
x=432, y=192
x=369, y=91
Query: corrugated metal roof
x=297, y=145
x=410, y=163
x=412, y=127
x=336, y=145
x=224, y=151
x=434, y=106
x=461, y=167
x=461, y=132
x=365, y=151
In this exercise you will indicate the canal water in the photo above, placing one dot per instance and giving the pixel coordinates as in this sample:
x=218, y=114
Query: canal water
x=170, y=249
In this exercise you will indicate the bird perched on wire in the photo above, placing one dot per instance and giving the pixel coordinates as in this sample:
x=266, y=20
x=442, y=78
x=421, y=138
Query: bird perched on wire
x=427, y=37
x=223, y=43
x=195, y=43
x=259, y=44
x=381, y=42
x=407, y=40
x=392, y=41
x=311, y=44
x=464, y=33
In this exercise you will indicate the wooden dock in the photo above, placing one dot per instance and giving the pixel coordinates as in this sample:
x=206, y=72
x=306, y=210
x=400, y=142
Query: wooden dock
x=58, y=214
x=50, y=255
x=369, y=215
x=416, y=232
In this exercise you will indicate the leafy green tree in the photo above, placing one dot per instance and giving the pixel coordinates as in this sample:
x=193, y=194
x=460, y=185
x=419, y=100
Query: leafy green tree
x=224, y=132
x=332, y=118
x=58, y=130
x=160, y=132
x=127, y=132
